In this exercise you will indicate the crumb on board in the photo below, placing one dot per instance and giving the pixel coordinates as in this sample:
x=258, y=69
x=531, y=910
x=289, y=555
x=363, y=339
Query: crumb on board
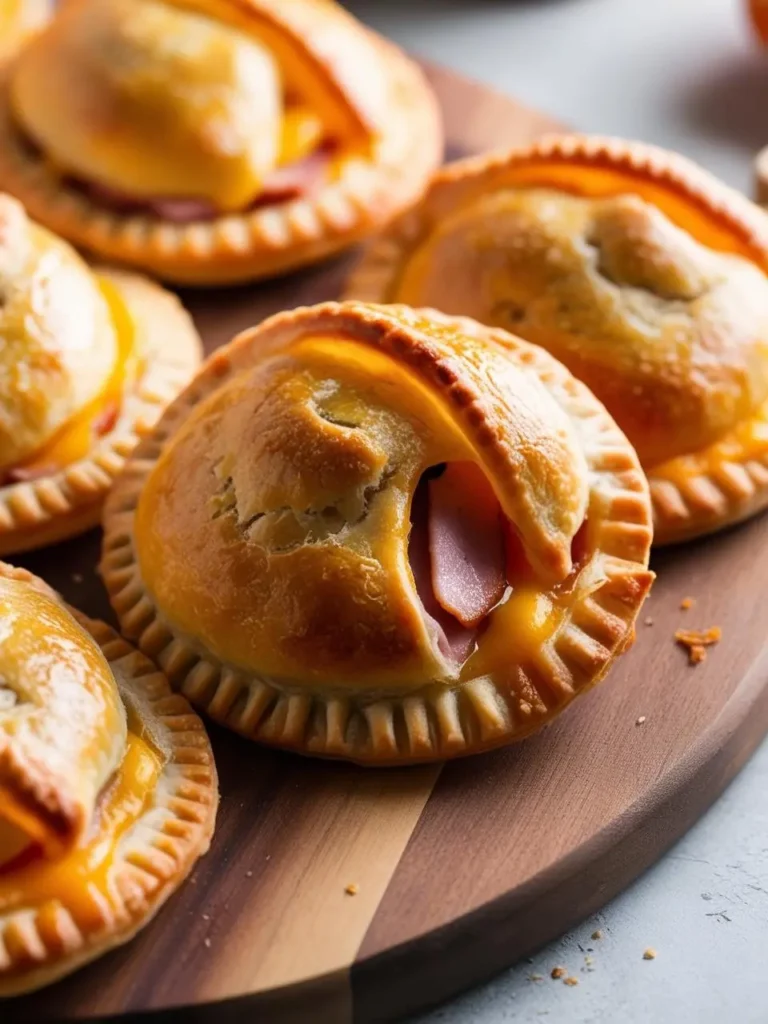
x=249, y=874
x=558, y=972
x=571, y=981
x=641, y=720
x=207, y=942
x=206, y=917
x=352, y=889
x=697, y=640
x=687, y=602
x=648, y=620
x=597, y=935
x=649, y=954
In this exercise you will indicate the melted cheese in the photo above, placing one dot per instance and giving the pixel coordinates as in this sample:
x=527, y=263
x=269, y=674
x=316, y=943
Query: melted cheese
x=13, y=841
x=81, y=878
x=518, y=630
x=748, y=440
x=74, y=440
x=302, y=133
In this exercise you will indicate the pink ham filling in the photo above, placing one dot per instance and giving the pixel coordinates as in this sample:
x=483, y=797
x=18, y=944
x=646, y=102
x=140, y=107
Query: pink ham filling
x=457, y=554
x=292, y=181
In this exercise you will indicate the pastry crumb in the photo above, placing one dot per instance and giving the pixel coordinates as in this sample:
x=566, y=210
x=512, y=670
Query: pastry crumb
x=207, y=942
x=649, y=954
x=571, y=981
x=352, y=889
x=206, y=917
x=697, y=640
x=558, y=972
x=597, y=935
x=648, y=621
x=536, y=977
x=686, y=603
x=641, y=720
x=249, y=874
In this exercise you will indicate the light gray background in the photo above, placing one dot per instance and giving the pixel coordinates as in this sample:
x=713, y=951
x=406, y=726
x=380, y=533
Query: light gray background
x=682, y=73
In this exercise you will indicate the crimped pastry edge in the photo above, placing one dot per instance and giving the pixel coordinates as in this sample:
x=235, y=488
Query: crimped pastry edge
x=39, y=945
x=437, y=721
x=267, y=241
x=51, y=508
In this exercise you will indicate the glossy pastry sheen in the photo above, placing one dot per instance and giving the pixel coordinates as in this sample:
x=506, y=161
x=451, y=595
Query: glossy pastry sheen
x=105, y=800
x=642, y=273
x=214, y=140
x=88, y=360
x=374, y=533
x=18, y=20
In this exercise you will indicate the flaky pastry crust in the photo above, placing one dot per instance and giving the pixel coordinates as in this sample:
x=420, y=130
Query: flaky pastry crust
x=18, y=20
x=279, y=488
x=61, y=342
x=640, y=271
x=372, y=96
x=45, y=937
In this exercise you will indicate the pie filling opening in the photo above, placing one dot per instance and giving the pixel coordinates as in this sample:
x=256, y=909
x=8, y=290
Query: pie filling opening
x=75, y=438
x=468, y=563
x=79, y=878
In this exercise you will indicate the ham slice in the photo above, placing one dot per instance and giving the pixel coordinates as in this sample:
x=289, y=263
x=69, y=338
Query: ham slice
x=466, y=543
x=456, y=642
x=292, y=181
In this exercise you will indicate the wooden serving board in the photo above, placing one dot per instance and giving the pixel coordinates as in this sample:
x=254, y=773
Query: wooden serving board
x=461, y=868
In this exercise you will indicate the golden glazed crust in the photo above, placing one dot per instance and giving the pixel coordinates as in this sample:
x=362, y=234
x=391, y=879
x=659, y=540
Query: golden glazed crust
x=61, y=504
x=285, y=605
x=640, y=271
x=54, y=935
x=368, y=90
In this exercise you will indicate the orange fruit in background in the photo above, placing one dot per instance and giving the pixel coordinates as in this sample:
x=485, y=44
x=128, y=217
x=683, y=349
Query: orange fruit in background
x=758, y=13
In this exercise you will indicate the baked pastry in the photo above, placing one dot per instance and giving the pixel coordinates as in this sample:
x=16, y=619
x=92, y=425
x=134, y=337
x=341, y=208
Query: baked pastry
x=18, y=20
x=108, y=788
x=372, y=533
x=213, y=141
x=88, y=361
x=641, y=272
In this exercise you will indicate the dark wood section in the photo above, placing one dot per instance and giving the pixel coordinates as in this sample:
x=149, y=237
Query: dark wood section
x=460, y=871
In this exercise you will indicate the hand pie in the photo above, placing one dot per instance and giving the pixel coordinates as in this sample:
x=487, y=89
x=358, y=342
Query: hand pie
x=640, y=272
x=88, y=361
x=18, y=20
x=379, y=534
x=213, y=141
x=108, y=788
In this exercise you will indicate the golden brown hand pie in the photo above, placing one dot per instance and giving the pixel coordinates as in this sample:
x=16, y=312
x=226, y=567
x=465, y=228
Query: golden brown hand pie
x=108, y=788
x=88, y=361
x=640, y=272
x=212, y=141
x=379, y=534
x=18, y=20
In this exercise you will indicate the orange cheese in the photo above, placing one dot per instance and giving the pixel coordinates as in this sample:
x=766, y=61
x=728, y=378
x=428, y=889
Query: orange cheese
x=517, y=631
x=74, y=440
x=302, y=133
x=81, y=878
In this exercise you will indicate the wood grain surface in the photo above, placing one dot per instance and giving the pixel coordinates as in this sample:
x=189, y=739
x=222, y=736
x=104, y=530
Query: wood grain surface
x=460, y=869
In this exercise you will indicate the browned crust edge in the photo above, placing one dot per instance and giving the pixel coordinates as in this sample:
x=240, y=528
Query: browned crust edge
x=40, y=944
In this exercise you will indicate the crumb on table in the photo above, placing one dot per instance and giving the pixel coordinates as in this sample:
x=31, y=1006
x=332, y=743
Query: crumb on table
x=686, y=603
x=640, y=721
x=570, y=981
x=697, y=640
x=648, y=620
x=649, y=954
x=558, y=972
x=597, y=935
x=352, y=889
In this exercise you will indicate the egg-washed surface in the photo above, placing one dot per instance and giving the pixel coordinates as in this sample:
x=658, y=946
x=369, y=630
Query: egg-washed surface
x=108, y=789
x=88, y=360
x=289, y=131
x=19, y=19
x=324, y=610
x=643, y=274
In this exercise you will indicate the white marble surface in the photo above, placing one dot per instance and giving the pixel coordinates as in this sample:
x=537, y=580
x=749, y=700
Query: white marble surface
x=682, y=73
